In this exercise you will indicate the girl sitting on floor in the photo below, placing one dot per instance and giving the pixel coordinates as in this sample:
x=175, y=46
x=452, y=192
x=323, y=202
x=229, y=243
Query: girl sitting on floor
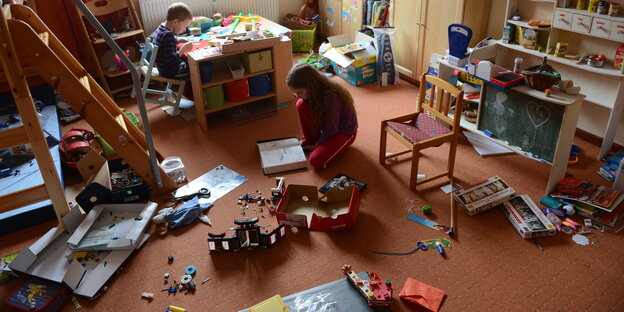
x=326, y=112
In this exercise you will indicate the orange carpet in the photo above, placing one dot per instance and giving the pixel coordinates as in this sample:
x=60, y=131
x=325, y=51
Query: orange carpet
x=488, y=268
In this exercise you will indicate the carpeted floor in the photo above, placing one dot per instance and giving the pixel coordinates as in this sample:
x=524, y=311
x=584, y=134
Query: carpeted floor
x=488, y=268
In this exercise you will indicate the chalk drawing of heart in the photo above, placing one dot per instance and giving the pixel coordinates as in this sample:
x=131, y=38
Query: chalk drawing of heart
x=538, y=114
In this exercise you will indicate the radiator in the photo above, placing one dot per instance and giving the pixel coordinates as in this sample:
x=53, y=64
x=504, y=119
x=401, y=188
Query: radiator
x=154, y=12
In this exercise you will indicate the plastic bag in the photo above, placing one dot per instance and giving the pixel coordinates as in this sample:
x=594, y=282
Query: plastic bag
x=319, y=302
x=387, y=73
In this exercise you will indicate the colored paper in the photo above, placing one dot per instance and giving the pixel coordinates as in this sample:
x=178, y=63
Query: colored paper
x=422, y=294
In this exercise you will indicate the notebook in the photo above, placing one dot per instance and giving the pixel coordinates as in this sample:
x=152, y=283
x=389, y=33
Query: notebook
x=280, y=155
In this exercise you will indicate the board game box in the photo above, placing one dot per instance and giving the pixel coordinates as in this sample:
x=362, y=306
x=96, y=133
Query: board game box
x=483, y=196
x=527, y=218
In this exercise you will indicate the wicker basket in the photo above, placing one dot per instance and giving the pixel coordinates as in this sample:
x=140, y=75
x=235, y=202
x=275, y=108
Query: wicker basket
x=537, y=79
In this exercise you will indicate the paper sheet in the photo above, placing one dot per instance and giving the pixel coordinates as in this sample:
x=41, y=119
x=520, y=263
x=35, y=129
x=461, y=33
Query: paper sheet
x=484, y=146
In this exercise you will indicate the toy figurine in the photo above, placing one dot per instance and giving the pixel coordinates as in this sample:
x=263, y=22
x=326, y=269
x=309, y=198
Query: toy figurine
x=125, y=24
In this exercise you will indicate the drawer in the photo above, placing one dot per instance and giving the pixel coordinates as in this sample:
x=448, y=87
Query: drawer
x=617, y=31
x=600, y=27
x=563, y=19
x=581, y=23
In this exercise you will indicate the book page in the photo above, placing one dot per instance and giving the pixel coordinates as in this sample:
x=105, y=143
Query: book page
x=280, y=152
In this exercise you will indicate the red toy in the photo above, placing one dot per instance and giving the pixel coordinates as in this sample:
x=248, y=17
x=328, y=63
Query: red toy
x=376, y=292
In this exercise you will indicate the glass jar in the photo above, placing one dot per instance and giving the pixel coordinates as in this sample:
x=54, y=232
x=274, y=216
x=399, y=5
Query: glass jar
x=614, y=9
x=603, y=7
x=592, y=6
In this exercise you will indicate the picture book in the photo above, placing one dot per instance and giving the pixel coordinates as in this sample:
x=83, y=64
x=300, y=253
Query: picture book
x=613, y=220
x=281, y=155
x=342, y=181
x=596, y=195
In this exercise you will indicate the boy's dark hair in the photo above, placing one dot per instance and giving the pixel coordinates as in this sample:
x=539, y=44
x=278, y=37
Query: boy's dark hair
x=179, y=11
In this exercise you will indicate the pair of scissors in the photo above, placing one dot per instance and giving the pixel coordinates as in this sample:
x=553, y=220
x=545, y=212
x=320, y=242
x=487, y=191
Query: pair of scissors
x=202, y=193
x=419, y=245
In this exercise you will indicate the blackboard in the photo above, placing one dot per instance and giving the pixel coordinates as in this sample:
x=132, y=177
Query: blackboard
x=521, y=120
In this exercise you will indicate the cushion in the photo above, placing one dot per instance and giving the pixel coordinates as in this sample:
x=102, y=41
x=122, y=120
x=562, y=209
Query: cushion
x=423, y=128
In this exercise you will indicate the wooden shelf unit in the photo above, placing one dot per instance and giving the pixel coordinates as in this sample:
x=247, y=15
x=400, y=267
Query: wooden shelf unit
x=603, y=87
x=221, y=76
x=99, y=54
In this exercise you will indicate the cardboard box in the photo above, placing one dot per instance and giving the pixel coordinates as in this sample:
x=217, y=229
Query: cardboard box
x=483, y=196
x=527, y=218
x=50, y=257
x=358, y=67
x=99, y=188
x=302, y=207
x=112, y=227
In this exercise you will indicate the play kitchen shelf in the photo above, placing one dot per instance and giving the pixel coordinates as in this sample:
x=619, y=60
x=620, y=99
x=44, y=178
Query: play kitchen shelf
x=586, y=33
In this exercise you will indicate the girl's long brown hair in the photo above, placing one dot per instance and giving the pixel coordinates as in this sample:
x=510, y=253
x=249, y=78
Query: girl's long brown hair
x=305, y=76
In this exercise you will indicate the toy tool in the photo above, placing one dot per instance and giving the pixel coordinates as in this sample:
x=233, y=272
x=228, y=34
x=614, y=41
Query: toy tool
x=428, y=223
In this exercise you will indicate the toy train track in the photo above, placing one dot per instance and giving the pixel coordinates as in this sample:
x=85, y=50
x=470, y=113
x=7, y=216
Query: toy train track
x=377, y=293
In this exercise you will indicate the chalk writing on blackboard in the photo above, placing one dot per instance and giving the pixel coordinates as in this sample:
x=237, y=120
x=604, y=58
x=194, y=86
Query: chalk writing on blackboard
x=538, y=114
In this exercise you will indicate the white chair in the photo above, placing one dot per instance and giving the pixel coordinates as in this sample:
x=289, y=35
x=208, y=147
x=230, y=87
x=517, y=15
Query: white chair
x=150, y=72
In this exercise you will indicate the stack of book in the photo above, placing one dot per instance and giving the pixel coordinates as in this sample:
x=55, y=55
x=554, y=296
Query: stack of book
x=603, y=205
x=376, y=12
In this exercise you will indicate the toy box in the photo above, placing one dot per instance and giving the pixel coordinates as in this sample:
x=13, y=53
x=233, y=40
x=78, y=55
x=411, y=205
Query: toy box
x=257, y=61
x=483, y=196
x=527, y=218
x=111, y=181
x=302, y=207
x=303, y=40
x=356, y=67
x=84, y=272
x=38, y=296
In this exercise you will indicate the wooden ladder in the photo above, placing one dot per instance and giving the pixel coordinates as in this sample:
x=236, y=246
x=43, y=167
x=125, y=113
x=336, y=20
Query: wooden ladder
x=67, y=76
x=30, y=132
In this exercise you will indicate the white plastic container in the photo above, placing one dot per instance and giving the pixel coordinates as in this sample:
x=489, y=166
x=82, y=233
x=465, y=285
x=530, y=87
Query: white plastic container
x=237, y=70
x=174, y=167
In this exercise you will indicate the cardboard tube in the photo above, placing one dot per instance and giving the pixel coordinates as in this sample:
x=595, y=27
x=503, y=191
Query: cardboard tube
x=565, y=84
x=572, y=90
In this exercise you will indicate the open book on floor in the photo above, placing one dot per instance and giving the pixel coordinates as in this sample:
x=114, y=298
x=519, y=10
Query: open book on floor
x=281, y=155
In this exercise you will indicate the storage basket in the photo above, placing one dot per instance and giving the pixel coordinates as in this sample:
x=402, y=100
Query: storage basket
x=259, y=85
x=237, y=90
x=237, y=70
x=541, y=77
x=291, y=21
x=215, y=96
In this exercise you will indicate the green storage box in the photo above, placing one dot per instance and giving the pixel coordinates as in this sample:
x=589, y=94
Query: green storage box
x=303, y=40
x=107, y=148
x=215, y=96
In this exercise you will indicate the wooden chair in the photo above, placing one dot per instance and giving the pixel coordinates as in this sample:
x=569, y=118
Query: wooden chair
x=150, y=72
x=429, y=126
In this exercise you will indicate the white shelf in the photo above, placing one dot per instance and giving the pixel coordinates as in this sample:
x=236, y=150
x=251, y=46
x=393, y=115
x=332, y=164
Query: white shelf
x=592, y=14
x=606, y=71
x=525, y=24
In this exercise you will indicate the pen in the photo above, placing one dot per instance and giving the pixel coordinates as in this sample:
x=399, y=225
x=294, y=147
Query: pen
x=440, y=249
x=538, y=244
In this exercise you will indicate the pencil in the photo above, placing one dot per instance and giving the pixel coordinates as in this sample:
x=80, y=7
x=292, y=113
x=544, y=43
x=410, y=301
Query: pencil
x=452, y=231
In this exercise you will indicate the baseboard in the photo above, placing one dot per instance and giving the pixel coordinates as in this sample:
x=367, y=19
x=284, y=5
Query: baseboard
x=596, y=140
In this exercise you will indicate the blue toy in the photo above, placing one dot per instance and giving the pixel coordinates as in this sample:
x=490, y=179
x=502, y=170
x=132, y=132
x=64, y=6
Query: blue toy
x=459, y=39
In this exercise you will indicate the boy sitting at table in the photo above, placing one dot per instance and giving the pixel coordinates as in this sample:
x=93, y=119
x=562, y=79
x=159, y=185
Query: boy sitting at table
x=169, y=60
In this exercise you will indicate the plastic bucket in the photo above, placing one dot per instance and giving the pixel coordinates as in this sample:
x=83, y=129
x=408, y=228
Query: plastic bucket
x=259, y=85
x=174, y=167
x=237, y=90
x=215, y=97
x=205, y=71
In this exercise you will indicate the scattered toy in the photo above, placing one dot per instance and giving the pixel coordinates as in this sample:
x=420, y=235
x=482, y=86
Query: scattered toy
x=374, y=291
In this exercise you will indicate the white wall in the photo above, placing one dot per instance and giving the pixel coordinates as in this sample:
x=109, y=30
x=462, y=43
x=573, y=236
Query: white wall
x=289, y=6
